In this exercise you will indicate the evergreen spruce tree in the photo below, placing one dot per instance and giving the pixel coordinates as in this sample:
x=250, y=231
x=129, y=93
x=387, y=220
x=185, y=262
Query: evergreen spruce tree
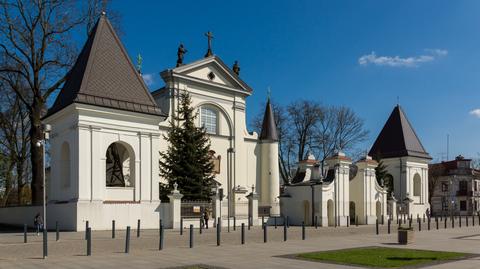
x=187, y=161
x=381, y=174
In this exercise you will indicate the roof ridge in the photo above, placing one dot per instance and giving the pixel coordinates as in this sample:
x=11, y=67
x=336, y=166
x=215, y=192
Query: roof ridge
x=411, y=128
x=398, y=138
x=104, y=75
x=124, y=51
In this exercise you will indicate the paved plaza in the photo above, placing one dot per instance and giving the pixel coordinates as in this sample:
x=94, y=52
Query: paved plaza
x=70, y=251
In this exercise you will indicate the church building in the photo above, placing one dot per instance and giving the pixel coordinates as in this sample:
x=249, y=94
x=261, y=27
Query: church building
x=108, y=130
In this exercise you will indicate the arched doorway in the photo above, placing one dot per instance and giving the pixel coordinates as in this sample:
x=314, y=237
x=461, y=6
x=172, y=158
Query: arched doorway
x=417, y=185
x=65, y=165
x=352, y=212
x=120, y=165
x=306, y=212
x=331, y=217
x=379, y=211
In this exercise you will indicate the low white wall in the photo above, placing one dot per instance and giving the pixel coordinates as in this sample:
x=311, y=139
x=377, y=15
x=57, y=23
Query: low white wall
x=65, y=214
x=100, y=215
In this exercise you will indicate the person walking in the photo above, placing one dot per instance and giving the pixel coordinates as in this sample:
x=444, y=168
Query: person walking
x=205, y=218
x=38, y=222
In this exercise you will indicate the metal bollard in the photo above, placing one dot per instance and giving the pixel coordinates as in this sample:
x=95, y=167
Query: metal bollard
x=383, y=219
x=264, y=233
x=127, y=240
x=388, y=224
x=473, y=220
x=86, y=228
x=284, y=231
x=376, y=226
x=181, y=226
x=348, y=221
x=191, y=235
x=219, y=226
x=445, y=220
x=243, y=233
x=57, y=231
x=45, y=243
x=303, y=230
x=113, y=229
x=228, y=224
x=316, y=222
x=89, y=241
x=138, y=228
x=460, y=221
x=25, y=228
x=160, y=244
x=234, y=223
x=428, y=223
x=419, y=225
x=453, y=223
x=275, y=221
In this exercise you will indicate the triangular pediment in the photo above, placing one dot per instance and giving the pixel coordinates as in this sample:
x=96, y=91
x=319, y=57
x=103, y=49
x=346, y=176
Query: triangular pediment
x=214, y=71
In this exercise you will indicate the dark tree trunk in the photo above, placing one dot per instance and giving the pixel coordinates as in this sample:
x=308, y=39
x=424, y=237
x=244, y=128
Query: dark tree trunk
x=20, y=181
x=36, y=154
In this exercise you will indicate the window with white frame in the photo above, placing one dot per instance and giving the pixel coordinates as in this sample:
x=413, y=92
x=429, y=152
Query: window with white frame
x=209, y=119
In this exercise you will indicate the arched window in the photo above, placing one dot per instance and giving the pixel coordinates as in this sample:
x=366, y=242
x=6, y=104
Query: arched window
x=65, y=165
x=209, y=119
x=417, y=185
x=120, y=165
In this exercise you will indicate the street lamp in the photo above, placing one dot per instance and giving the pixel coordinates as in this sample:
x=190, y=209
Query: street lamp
x=46, y=129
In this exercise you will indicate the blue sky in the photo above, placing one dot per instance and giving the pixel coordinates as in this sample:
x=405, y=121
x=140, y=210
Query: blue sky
x=362, y=54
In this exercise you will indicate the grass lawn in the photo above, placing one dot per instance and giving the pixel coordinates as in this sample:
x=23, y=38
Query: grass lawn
x=382, y=257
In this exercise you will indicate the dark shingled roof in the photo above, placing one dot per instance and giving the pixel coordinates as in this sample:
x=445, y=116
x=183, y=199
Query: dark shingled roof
x=104, y=75
x=269, y=129
x=398, y=139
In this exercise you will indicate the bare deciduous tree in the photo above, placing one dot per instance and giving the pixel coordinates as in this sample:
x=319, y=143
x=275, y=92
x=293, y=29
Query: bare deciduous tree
x=307, y=125
x=14, y=143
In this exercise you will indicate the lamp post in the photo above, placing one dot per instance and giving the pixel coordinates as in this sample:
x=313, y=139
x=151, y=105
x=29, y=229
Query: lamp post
x=452, y=195
x=42, y=143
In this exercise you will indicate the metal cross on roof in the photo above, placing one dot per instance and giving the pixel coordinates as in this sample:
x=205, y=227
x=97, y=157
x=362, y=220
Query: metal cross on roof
x=209, y=36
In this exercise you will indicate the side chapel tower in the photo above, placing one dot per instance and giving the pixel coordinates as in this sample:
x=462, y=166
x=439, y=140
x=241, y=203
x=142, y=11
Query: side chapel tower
x=104, y=140
x=400, y=149
x=270, y=178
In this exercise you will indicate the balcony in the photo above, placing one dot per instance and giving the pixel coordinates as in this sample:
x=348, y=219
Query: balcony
x=464, y=193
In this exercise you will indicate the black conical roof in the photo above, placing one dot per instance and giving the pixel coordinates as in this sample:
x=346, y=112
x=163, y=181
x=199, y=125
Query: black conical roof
x=103, y=75
x=269, y=128
x=398, y=139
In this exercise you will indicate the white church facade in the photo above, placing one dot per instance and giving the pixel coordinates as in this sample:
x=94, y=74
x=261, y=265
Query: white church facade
x=105, y=114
